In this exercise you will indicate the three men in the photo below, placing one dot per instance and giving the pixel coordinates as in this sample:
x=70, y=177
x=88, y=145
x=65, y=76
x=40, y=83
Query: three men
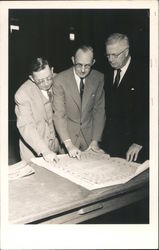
x=124, y=133
x=79, y=104
x=33, y=109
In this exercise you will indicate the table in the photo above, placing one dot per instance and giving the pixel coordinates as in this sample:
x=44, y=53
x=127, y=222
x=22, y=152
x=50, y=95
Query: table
x=47, y=198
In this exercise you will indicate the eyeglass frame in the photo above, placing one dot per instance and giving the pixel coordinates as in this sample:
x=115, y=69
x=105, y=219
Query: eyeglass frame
x=43, y=80
x=116, y=55
x=86, y=66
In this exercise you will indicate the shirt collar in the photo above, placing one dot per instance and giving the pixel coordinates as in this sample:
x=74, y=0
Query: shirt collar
x=77, y=78
x=124, y=68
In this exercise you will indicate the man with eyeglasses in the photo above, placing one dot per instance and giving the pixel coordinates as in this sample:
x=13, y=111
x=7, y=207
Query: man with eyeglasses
x=125, y=130
x=34, y=113
x=79, y=104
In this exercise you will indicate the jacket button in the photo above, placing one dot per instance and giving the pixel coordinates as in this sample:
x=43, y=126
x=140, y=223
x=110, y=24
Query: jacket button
x=80, y=123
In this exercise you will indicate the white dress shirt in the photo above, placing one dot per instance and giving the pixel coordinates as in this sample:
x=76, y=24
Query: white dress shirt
x=44, y=92
x=78, y=80
x=123, y=70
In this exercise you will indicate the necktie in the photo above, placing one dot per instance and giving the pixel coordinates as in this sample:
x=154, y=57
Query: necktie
x=117, y=79
x=81, y=88
x=49, y=95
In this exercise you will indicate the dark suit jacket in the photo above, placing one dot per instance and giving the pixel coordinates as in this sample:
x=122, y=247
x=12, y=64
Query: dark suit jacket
x=126, y=112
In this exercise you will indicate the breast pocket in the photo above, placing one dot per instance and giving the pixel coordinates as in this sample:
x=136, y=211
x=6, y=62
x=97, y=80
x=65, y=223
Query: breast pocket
x=91, y=102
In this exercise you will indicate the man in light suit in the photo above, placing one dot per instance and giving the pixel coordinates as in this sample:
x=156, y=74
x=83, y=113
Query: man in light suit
x=79, y=104
x=126, y=130
x=33, y=109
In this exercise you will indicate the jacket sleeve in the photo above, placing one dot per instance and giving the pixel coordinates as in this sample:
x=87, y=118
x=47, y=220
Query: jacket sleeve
x=59, y=110
x=99, y=111
x=27, y=125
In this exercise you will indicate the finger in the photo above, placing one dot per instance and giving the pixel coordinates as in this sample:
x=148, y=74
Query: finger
x=88, y=149
x=70, y=153
x=101, y=151
x=78, y=156
x=131, y=156
x=127, y=156
x=56, y=159
x=107, y=156
x=95, y=149
x=51, y=162
x=136, y=155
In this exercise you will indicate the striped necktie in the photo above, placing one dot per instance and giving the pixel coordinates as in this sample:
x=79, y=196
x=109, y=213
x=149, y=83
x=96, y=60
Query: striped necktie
x=117, y=79
x=49, y=95
x=81, y=88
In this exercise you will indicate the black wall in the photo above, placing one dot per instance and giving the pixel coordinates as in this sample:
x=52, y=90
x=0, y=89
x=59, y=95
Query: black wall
x=46, y=33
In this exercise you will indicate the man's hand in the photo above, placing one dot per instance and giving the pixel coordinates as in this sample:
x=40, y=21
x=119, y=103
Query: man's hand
x=72, y=150
x=95, y=147
x=50, y=157
x=133, y=152
x=75, y=152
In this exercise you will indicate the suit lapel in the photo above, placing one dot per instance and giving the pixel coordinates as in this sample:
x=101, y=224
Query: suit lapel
x=38, y=98
x=125, y=80
x=88, y=88
x=74, y=90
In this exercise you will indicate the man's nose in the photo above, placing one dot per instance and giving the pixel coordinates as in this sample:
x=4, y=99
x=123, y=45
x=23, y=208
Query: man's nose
x=83, y=68
x=110, y=58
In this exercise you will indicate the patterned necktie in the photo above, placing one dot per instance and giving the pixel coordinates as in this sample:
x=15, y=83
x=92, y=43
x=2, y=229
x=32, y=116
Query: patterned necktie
x=49, y=95
x=81, y=88
x=117, y=79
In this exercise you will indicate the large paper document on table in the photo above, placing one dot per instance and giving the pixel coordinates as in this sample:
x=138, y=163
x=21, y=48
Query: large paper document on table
x=94, y=170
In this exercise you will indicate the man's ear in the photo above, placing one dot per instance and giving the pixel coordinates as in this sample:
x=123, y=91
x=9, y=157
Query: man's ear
x=127, y=52
x=73, y=59
x=52, y=70
x=31, y=78
x=93, y=61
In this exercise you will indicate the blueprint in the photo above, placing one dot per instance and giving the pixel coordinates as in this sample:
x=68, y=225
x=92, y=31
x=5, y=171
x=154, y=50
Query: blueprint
x=94, y=170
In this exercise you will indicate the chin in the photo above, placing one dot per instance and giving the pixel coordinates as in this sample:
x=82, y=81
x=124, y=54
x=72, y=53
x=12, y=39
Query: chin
x=114, y=66
x=46, y=88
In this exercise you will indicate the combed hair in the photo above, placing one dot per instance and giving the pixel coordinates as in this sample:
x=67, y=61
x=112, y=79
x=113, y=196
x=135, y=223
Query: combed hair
x=84, y=48
x=117, y=37
x=38, y=64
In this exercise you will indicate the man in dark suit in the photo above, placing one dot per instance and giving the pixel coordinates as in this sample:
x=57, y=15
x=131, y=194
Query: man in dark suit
x=79, y=104
x=125, y=130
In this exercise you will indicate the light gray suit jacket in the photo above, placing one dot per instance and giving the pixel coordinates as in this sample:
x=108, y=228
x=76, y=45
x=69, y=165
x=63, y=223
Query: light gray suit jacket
x=32, y=121
x=70, y=115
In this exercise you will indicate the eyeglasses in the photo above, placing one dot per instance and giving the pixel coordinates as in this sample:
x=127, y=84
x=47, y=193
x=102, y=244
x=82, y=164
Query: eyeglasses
x=115, y=55
x=44, y=80
x=86, y=66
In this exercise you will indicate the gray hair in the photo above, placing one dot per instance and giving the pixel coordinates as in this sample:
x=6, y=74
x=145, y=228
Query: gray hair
x=117, y=38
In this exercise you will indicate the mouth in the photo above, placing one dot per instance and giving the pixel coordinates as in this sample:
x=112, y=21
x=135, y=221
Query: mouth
x=46, y=87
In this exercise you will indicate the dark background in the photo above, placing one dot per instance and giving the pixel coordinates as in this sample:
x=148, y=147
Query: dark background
x=46, y=33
